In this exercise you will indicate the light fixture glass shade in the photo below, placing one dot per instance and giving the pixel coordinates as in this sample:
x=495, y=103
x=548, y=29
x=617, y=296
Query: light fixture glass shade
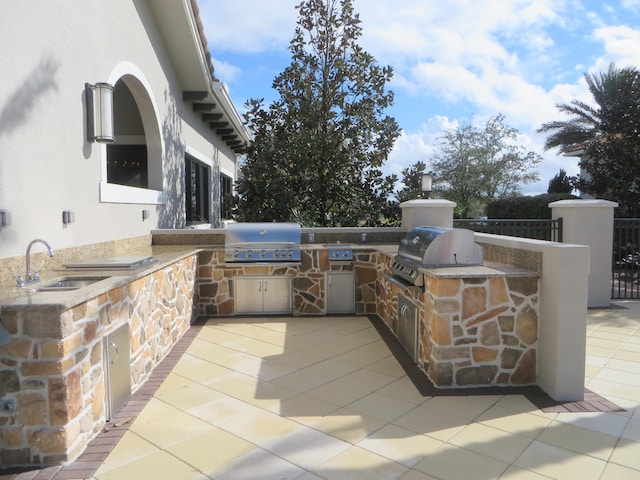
x=426, y=182
x=99, y=99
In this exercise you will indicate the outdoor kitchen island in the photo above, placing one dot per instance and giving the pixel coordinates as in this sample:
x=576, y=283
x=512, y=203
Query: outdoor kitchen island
x=475, y=326
x=466, y=326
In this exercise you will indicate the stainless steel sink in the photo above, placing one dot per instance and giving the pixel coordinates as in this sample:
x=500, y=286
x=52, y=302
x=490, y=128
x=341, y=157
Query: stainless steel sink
x=69, y=283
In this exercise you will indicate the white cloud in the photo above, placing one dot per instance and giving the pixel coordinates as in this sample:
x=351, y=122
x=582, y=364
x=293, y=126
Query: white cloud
x=225, y=71
x=248, y=25
x=633, y=5
x=620, y=43
x=516, y=57
x=411, y=148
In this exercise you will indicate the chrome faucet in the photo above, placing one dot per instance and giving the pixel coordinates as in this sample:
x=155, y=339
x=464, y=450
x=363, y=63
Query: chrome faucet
x=34, y=277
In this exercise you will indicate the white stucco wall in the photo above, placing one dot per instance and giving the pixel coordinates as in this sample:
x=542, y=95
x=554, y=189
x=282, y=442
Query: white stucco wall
x=427, y=212
x=590, y=222
x=50, y=50
x=563, y=313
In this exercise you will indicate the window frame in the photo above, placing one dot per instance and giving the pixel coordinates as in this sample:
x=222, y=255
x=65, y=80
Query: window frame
x=204, y=191
x=141, y=90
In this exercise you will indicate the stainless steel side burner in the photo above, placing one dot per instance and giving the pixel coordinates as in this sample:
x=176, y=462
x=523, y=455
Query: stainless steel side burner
x=339, y=252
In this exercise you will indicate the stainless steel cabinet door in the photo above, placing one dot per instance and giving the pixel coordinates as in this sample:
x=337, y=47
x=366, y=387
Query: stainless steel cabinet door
x=248, y=295
x=117, y=363
x=408, y=326
x=341, y=292
x=276, y=293
x=263, y=295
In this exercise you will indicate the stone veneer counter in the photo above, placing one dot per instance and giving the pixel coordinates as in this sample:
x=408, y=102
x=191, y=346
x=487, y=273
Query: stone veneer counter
x=54, y=368
x=12, y=297
x=476, y=325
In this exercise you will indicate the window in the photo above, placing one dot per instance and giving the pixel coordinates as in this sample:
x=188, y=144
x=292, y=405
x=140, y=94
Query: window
x=127, y=157
x=197, y=191
x=127, y=165
x=226, y=196
x=132, y=166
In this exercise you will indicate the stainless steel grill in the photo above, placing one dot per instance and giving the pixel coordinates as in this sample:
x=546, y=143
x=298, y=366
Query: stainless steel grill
x=434, y=247
x=262, y=242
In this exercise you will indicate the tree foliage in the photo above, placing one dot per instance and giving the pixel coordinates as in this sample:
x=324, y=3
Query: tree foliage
x=318, y=150
x=608, y=131
x=525, y=207
x=474, y=165
x=412, y=181
x=561, y=183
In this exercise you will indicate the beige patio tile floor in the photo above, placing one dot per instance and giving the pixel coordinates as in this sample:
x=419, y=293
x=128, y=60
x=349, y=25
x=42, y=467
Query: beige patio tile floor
x=325, y=398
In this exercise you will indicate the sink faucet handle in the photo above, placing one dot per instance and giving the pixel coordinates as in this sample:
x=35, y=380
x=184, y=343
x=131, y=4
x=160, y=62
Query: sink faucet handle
x=19, y=279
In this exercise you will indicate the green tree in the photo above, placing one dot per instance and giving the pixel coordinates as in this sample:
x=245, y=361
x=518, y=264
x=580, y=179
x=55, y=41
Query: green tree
x=474, y=165
x=318, y=150
x=561, y=183
x=412, y=181
x=608, y=131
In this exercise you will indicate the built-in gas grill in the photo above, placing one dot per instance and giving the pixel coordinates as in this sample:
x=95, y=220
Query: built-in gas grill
x=262, y=242
x=434, y=247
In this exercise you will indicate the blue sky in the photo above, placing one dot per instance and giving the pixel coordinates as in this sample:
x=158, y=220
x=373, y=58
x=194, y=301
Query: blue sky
x=455, y=61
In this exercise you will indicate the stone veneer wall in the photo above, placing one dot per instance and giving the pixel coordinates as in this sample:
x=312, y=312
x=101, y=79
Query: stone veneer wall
x=472, y=331
x=480, y=331
x=215, y=281
x=53, y=367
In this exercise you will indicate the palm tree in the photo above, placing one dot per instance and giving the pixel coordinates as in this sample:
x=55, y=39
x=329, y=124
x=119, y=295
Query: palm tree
x=616, y=95
x=608, y=131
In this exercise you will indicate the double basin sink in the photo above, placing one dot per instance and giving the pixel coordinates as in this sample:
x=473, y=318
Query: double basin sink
x=118, y=263
x=69, y=283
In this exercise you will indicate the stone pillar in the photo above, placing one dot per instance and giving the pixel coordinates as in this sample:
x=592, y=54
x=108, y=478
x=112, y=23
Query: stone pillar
x=427, y=212
x=590, y=222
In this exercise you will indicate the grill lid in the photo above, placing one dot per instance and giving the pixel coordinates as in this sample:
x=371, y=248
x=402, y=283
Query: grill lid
x=441, y=247
x=262, y=242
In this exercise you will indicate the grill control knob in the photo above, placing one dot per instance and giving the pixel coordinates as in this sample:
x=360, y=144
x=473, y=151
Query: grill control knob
x=263, y=253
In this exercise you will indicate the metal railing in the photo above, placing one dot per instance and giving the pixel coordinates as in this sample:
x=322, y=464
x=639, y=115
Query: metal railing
x=544, y=229
x=625, y=271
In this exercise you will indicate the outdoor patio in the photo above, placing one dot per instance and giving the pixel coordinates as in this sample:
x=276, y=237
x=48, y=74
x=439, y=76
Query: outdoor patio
x=326, y=398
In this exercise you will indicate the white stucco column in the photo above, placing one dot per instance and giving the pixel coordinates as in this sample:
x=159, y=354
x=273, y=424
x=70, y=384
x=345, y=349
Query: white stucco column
x=427, y=212
x=590, y=222
x=563, y=312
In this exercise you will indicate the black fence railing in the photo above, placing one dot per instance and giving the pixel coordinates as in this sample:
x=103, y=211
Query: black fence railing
x=550, y=230
x=625, y=272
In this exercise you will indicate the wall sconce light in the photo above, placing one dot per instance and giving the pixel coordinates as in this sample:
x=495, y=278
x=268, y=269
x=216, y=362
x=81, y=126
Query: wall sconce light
x=426, y=184
x=99, y=101
x=68, y=217
x=4, y=219
x=145, y=214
